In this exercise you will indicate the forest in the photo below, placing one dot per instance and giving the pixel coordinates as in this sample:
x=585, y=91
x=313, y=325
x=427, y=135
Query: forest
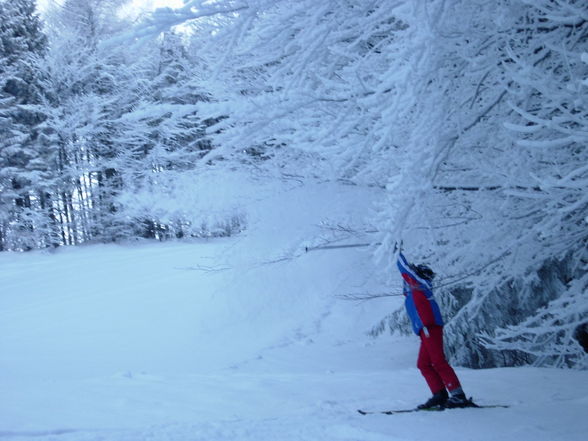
x=469, y=116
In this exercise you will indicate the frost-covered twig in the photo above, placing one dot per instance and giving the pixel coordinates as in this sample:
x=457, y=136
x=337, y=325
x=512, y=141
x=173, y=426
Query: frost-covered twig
x=366, y=296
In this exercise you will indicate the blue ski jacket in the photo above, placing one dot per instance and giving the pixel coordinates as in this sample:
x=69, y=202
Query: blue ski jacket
x=421, y=306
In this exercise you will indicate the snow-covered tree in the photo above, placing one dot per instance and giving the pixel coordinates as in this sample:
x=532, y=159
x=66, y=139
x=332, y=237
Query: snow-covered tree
x=85, y=88
x=22, y=43
x=159, y=138
x=472, y=116
x=495, y=197
x=123, y=122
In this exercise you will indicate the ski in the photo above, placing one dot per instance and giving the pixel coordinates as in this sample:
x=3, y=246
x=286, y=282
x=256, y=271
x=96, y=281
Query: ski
x=433, y=409
x=386, y=412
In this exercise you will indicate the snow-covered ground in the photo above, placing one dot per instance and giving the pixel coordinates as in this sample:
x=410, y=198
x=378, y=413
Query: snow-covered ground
x=241, y=338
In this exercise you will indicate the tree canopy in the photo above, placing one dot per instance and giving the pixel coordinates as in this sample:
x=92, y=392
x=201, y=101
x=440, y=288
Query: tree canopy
x=470, y=116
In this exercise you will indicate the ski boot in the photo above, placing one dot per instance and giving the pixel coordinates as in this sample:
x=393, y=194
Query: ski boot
x=459, y=400
x=437, y=401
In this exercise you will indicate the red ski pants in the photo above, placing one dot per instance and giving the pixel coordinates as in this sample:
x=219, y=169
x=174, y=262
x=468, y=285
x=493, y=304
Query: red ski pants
x=432, y=363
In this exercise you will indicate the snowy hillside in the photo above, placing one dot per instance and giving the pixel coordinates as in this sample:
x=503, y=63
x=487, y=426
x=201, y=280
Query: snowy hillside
x=241, y=338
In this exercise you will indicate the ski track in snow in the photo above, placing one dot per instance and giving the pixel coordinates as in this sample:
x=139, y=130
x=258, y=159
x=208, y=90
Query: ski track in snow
x=145, y=343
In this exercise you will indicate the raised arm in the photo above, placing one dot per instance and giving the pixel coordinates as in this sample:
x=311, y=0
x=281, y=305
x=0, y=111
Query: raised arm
x=410, y=276
x=421, y=291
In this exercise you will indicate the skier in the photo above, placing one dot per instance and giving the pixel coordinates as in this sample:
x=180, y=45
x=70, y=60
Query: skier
x=427, y=323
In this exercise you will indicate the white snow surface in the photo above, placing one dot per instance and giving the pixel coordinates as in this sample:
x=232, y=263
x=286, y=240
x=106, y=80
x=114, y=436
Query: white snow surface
x=240, y=338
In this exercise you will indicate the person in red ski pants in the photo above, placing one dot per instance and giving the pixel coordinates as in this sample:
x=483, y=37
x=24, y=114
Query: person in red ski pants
x=427, y=323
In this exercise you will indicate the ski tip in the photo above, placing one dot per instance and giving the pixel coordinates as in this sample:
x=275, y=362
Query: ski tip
x=487, y=406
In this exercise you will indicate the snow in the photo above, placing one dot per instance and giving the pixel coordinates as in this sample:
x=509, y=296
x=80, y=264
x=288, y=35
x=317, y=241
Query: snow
x=240, y=338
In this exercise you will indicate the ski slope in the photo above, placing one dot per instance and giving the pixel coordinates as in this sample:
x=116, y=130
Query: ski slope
x=240, y=338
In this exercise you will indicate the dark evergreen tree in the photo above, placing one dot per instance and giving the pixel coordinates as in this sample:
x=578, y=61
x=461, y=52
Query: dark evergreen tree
x=22, y=43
